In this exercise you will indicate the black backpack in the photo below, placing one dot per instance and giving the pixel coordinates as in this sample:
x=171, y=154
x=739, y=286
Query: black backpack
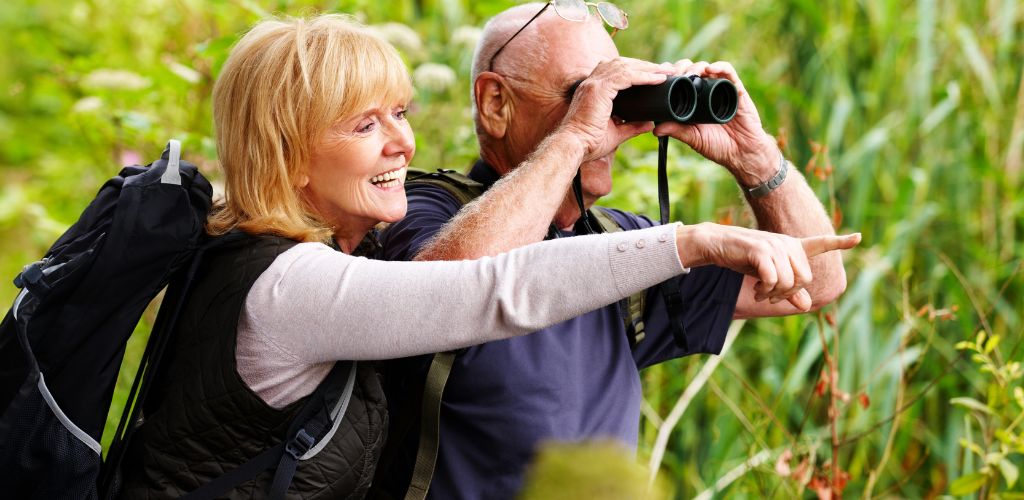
x=62, y=342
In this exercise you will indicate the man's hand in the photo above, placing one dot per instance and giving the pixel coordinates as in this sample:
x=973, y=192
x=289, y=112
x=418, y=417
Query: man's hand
x=589, y=116
x=779, y=262
x=741, y=145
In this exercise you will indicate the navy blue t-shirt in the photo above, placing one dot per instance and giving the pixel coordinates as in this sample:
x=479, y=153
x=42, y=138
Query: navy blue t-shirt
x=573, y=381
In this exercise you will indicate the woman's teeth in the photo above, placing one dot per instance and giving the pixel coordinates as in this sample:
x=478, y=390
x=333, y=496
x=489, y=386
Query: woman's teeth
x=388, y=179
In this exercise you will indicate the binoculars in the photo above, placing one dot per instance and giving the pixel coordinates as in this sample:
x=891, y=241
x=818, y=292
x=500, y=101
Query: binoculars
x=683, y=99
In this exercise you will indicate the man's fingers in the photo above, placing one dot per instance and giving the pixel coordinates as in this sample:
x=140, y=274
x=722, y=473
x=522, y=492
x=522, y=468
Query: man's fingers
x=628, y=130
x=682, y=131
x=815, y=245
x=723, y=69
x=641, y=65
x=696, y=68
x=644, y=78
x=681, y=65
x=625, y=72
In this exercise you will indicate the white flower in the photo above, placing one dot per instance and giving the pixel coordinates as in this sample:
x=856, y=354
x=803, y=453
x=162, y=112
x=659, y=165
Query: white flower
x=466, y=36
x=433, y=77
x=186, y=73
x=87, y=104
x=114, y=79
x=399, y=35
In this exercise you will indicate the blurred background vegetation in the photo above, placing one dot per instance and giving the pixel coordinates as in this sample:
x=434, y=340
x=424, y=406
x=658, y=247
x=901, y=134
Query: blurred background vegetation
x=906, y=117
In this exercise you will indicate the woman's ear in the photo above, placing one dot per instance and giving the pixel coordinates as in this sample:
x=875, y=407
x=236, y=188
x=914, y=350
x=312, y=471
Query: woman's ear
x=301, y=181
x=493, y=106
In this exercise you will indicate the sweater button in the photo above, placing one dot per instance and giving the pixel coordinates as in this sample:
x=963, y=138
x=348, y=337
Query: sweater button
x=641, y=243
x=622, y=246
x=663, y=238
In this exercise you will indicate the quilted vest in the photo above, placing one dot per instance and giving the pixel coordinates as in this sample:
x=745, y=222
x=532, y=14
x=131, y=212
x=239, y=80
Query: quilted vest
x=202, y=420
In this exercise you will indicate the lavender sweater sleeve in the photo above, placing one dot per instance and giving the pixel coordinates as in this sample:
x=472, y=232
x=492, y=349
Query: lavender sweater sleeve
x=314, y=305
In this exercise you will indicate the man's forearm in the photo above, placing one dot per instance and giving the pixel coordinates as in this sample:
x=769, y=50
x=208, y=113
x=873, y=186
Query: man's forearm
x=793, y=209
x=516, y=211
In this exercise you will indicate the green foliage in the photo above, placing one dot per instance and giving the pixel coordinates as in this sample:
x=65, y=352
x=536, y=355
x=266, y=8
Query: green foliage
x=906, y=118
x=1000, y=446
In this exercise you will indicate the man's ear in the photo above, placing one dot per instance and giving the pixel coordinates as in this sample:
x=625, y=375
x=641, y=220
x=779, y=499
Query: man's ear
x=493, y=106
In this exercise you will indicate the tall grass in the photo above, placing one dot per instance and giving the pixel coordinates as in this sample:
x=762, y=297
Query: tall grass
x=907, y=119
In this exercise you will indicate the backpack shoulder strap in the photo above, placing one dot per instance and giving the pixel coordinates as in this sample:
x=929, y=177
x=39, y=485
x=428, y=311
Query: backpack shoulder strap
x=310, y=430
x=426, y=454
x=462, y=188
x=631, y=309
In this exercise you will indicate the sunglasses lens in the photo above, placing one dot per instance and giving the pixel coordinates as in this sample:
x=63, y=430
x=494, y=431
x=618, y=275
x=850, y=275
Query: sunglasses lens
x=572, y=10
x=613, y=15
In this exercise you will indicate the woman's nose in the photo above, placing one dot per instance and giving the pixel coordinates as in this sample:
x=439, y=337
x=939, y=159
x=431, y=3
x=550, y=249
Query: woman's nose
x=400, y=139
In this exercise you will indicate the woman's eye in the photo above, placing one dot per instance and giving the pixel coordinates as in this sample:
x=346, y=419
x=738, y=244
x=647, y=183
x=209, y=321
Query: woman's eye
x=365, y=126
x=400, y=114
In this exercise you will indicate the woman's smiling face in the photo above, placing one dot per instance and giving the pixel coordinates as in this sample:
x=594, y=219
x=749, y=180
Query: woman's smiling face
x=357, y=171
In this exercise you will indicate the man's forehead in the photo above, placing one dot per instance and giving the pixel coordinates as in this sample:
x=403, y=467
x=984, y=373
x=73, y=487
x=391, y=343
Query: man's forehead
x=574, y=49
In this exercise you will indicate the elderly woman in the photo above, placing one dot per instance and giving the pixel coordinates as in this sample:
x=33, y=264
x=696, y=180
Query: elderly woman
x=312, y=136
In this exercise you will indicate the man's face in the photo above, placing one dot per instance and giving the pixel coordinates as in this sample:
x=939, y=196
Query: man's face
x=574, y=50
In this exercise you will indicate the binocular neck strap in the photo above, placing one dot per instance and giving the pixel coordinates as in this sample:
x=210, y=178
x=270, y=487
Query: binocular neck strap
x=670, y=289
x=577, y=190
x=663, y=178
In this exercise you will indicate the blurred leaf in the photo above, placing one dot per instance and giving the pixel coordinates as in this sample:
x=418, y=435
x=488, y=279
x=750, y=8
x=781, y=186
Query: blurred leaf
x=699, y=42
x=972, y=404
x=1009, y=471
x=594, y=470
x=991, y=343
x=967, y=484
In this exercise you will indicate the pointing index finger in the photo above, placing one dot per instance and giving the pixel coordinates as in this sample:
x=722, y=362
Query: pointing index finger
x=815, y=245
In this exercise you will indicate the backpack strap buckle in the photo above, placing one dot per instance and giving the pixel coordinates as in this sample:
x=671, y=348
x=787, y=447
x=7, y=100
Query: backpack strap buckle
x=300, y=444
x=30, y=274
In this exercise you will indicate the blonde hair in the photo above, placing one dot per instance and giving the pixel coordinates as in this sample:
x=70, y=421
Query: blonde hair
x=283, y=85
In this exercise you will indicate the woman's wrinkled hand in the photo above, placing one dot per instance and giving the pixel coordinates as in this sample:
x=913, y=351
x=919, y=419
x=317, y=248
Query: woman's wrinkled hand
x=779, y=262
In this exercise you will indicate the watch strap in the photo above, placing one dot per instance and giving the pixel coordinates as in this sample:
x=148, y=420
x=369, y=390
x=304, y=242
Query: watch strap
x=762, y=189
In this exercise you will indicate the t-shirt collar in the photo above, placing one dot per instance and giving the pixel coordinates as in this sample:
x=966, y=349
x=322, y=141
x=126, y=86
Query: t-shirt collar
x=484, y=173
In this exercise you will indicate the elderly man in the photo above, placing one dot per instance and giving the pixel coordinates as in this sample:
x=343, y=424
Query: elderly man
x=580, y=379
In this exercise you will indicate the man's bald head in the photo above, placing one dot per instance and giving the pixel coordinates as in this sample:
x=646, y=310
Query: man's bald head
x=532, y=50
x=500, y=28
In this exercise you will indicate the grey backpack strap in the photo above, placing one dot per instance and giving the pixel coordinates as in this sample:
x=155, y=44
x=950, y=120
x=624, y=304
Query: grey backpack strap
x=172, y=174
x=430, y=426
x=310, y=430
x=631, y=309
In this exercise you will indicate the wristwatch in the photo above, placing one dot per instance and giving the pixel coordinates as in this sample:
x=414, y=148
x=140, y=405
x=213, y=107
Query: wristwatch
x=762, y=189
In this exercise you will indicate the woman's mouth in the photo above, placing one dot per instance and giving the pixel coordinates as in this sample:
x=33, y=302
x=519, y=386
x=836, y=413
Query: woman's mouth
x=393, y=178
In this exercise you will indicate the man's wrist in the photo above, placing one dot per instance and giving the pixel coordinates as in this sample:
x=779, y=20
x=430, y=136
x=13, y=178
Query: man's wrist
x=567, y=143
x=765, y=187
x=758, y=165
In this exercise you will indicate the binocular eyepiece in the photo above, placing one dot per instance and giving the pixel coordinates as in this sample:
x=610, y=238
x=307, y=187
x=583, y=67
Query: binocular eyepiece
x=683, y=99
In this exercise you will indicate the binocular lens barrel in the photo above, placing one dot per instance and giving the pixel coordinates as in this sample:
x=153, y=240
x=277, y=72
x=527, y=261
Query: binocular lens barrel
x=680, y=99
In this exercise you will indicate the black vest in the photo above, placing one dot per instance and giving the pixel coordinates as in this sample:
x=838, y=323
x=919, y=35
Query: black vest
x=203, y=420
